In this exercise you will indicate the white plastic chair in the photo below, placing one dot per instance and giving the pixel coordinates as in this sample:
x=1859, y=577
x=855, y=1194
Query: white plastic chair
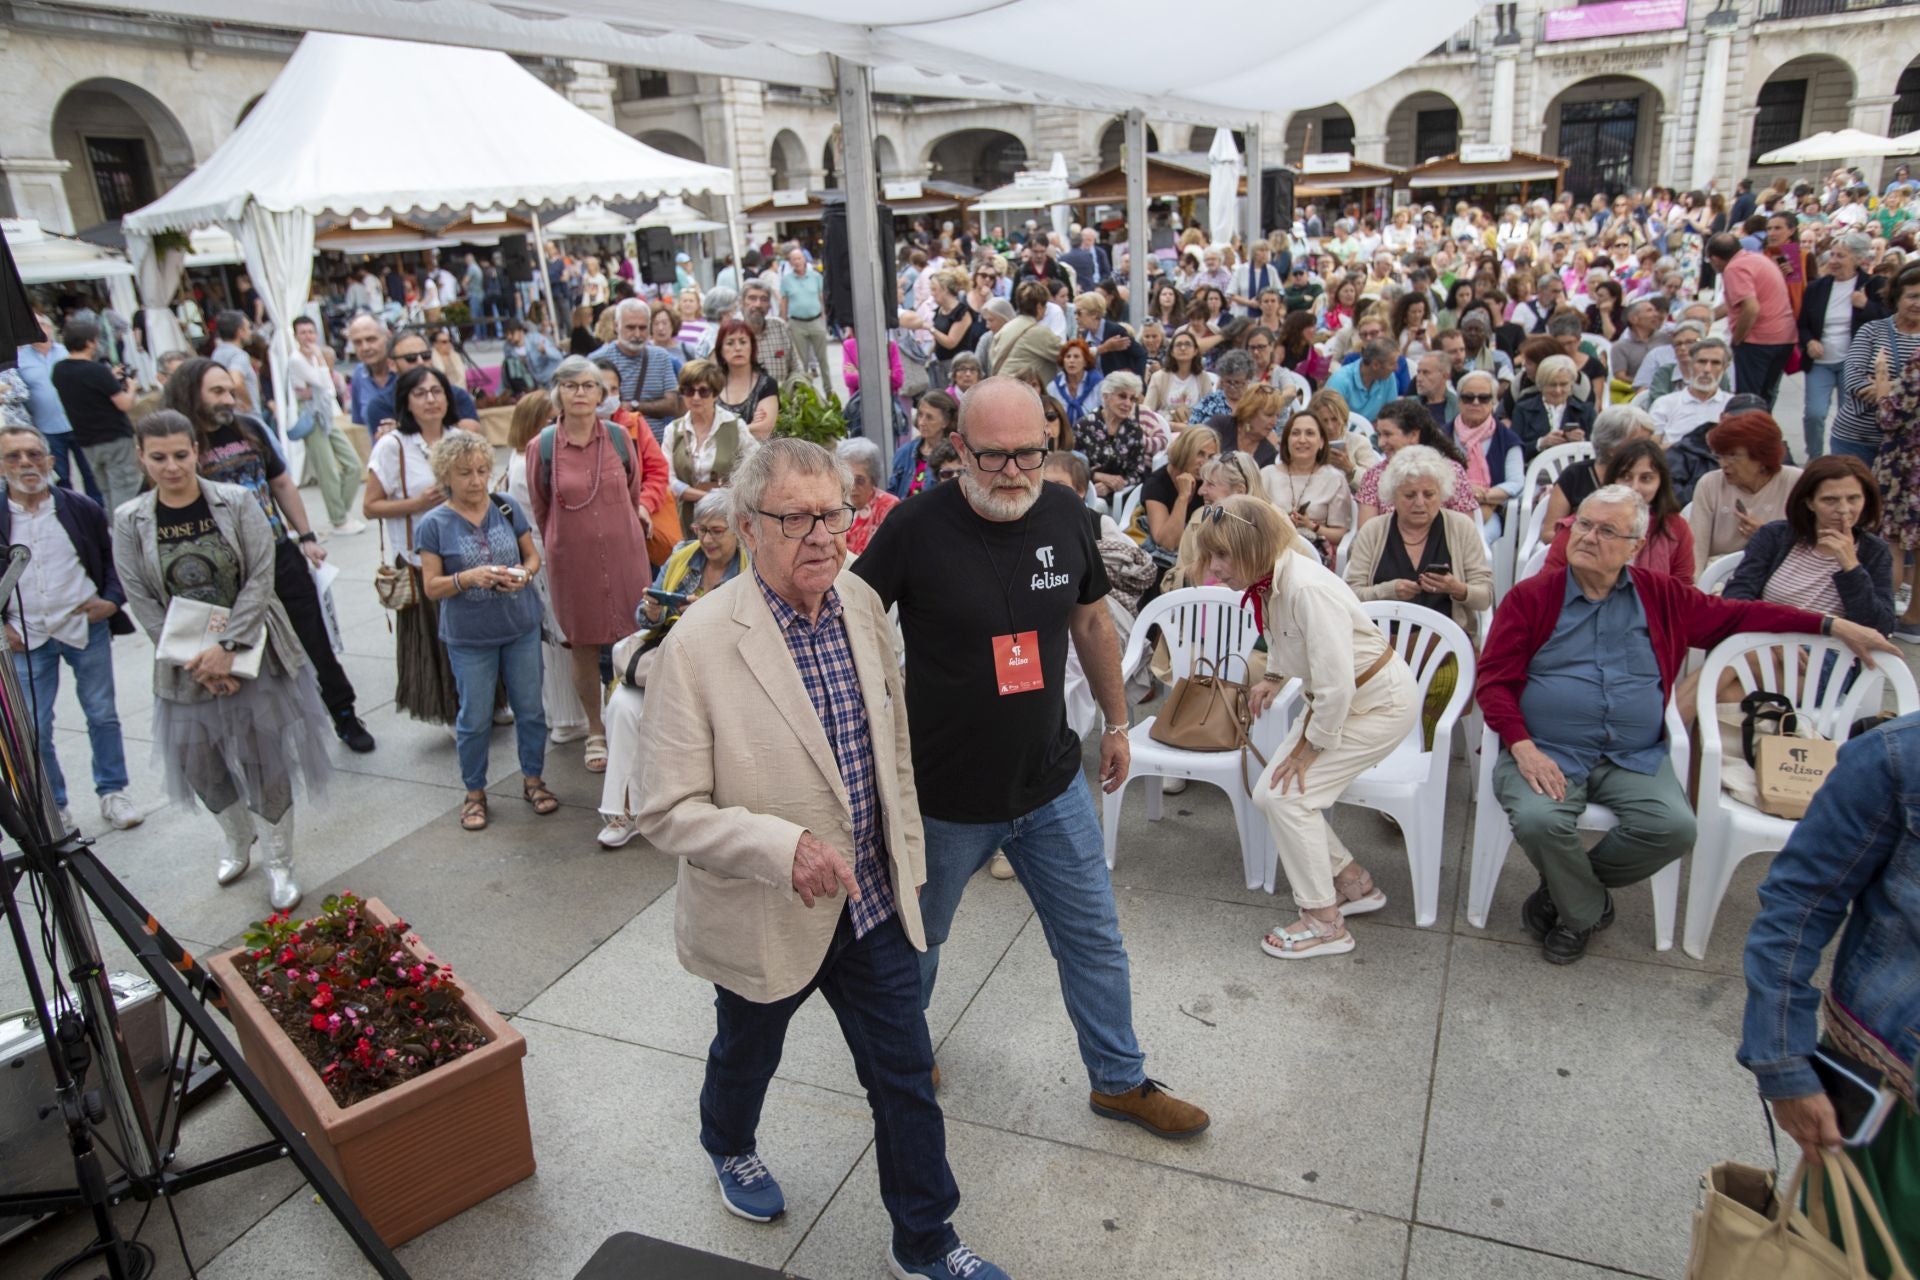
x=1493, y=837
x=1528, y=510
x=1195, y=622
x=1411, y=784
x=1342, y=552
x=1716, y=575
x=1536, y=561
x=1126, y=503
x=1788, y=664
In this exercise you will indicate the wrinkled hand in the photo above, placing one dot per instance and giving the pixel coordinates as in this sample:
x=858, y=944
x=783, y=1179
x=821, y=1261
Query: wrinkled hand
x=1747, y=525
x=819, y=870
x=1553, y=438
x=1443, y=584
x=1294, y=768
x=1116, y=757
x=1809, y=1121
x=314, y=552
x=1541, y=773
x=1864, y=641
x=97, y=610
x=1838, y=543
x=1263, y=695
x=1859, y=299
x=1405, y=588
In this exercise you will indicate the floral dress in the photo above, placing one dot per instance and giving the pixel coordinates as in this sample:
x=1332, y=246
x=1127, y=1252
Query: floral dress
x=1118, y=451
x=1897, y=467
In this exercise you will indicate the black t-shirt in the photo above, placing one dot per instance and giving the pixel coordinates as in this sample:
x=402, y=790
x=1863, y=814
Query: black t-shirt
x=1264, y=453
x=231, y=457
x=946, y=321
x=87, y=389
x=960, y=581
x=1159, y=488
x=195, y=560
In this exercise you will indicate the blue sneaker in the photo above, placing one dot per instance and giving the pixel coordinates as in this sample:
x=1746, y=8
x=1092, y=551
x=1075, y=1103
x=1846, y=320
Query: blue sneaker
x=747, y=1189
x=962, y=1264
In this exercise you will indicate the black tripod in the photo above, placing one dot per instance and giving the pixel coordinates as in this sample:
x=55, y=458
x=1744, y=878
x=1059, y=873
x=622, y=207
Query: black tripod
x=83, y=1035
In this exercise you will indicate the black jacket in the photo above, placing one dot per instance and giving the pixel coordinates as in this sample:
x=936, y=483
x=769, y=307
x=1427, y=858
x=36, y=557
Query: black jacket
x=1133, y=360
x=1813, y=307
x=1866, y=590
x=92, y=537
x=1530, y=420
x=1054, y=271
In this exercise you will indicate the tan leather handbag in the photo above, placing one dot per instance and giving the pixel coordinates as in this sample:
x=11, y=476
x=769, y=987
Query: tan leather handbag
x=1206, y=711
x=397, y=583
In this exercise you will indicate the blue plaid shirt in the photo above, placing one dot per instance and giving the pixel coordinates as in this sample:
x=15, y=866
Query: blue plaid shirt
x=823, y=653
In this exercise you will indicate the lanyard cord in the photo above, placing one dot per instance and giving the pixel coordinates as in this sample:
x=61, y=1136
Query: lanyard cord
x=1006, y=584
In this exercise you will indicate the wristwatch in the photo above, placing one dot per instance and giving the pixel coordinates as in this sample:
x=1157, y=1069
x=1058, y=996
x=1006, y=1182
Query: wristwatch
x=234, y=646
x=1826, y=625
x=309, y=536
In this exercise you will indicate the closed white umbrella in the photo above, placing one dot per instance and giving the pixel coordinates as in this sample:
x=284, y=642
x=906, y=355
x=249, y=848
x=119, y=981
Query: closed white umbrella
x=1062, y=214
x=1223, y=187
x=1838, y=144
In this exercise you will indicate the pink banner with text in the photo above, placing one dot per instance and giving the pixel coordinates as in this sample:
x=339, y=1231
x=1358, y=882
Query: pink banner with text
x=1623, y=17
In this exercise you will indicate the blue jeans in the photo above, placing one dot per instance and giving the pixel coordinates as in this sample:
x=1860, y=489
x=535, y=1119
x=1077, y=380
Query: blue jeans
x=873, y=987
x=1822, y=380
x=70, y=468
x=39, y=671
x=1865, y=452
x=1056, y=851
x=478, y=671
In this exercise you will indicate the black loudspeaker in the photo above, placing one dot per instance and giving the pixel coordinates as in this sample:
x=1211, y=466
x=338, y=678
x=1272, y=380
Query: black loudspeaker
x=514, y=260
x=838, y=263
x=657, y=248
x=1276, y=198
x=18, y=325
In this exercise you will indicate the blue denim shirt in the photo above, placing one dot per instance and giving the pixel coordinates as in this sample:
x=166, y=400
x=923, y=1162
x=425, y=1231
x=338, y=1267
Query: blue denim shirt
x=1593, y=690
x=1858, y=848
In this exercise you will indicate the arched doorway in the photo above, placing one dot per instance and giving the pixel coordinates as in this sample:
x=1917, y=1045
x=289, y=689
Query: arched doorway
x=985, y=158
x=1423, y=126
x=829, y=166
x=674, y=144
x=1608, y=128
x=124, y=146
x=787, y=161
x=886, y=158
x=1808, y=95
x=1113, y=139
x=1319, y=131
x=1906, y=111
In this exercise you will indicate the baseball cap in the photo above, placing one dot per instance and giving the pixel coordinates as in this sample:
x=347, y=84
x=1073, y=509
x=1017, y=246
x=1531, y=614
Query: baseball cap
x=1745, y=402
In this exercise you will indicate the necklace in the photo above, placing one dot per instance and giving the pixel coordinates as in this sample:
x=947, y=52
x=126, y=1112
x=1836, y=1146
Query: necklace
x=599, y=456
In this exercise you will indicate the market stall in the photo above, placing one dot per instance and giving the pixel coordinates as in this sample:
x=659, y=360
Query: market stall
x=1489, y=178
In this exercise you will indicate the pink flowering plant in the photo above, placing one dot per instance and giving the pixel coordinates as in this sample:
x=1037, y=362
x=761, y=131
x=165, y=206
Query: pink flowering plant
x=351, y=993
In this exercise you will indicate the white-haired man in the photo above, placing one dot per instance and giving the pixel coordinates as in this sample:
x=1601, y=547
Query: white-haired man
x=649, y=383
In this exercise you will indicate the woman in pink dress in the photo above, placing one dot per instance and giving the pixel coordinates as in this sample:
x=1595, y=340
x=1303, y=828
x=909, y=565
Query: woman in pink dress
x=585, y=483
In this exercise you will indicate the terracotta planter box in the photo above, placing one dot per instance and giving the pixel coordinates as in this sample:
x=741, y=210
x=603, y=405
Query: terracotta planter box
x=420, y=1153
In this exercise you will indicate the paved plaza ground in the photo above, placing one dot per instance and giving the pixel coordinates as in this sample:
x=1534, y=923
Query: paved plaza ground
x=1442, y=1103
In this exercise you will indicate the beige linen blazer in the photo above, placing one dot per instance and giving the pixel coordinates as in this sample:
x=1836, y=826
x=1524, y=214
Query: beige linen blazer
x=735, y=764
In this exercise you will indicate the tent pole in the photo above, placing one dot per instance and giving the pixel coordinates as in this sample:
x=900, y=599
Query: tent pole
x=853, y=86
x=1254, y=231
x=546, y=282
x=733, y=243
x=1139, y=234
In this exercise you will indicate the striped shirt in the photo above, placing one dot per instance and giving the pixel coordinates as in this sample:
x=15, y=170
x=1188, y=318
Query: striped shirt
x=1804, y=580
x=823, y=653
x=1857, y=420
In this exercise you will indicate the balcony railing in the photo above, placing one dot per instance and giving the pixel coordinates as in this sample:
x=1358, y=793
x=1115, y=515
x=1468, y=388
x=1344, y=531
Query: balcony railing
x=1460, y=41
x=1780, y=9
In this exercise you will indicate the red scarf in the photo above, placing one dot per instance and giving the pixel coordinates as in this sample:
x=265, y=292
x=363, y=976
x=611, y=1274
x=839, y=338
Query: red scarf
x=1256, y=595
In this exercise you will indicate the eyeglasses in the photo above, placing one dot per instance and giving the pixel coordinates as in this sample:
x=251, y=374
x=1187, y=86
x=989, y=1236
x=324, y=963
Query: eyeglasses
x=1216, y=513
x=582, y=387
x=710, y=530
x=995, y=460
x=24, y=455
x=799, y=524
x=1476, y=397
x=427, y=391
x=699, y=391
x=948, y=473
x=1604, y=532
x=413, y=357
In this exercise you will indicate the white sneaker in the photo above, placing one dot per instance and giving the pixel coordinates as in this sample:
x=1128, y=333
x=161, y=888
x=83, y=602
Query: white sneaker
x=352, y=525
x=618, y=831
x=561, y=734
x=503, y=716
x=120, y=811
x=1902, y=597
x=1172, y=786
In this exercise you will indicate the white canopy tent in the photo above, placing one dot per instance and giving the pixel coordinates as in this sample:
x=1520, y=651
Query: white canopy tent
x=1837, y=144
x=590, y=219
x=46, y=258
x=286, y=165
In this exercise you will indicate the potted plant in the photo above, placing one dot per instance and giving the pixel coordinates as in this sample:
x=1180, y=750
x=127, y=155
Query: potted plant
x=807, y=415
x=408, y=1087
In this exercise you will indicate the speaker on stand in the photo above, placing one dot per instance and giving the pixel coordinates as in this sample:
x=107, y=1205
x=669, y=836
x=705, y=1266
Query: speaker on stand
x=839, y=263
x=657, y=248
x=1276, y=197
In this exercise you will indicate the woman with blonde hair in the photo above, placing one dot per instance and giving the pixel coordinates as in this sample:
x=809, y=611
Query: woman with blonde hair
x=1360, y=706
x=566, y=717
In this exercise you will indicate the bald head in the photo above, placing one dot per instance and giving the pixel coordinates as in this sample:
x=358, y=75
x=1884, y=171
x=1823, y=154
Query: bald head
x=1003, y=413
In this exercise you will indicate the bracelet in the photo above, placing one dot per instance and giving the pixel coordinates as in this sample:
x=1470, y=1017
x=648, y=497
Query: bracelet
x=1115, y=728
x=309, y=536
x=456, y=580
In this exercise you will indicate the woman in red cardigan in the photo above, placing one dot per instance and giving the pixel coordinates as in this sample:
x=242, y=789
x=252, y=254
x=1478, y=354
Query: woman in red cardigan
x=1580, y=711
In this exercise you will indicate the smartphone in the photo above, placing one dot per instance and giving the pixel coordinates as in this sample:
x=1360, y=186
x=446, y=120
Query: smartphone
x=1740, y=506
x=1860, y=1105
x=668, y=599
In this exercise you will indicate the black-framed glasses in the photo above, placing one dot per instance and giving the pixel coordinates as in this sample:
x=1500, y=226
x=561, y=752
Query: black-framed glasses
x=799, y=524
x=995, y=460
x=413, y=357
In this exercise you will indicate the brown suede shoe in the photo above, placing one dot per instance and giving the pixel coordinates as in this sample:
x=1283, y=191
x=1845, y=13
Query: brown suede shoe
x=1152, y=1108
x=936, y=1077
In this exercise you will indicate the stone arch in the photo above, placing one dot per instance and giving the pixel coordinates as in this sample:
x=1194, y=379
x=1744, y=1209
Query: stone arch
x=1422, y=125
x=674, y=144
x=1608, y=127
x=829, y=164
x=984, y=158
x=886, y=156
x=124, y=148
x=1113, y=140
x=1201, y=136
x=1803, y=95
x=788, y=161
x=1317, y=130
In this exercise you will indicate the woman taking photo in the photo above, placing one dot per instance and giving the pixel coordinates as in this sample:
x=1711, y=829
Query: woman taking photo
x=1119, y=441
x=1183, y=382
x=1823, y=555
x=1554, y=416
x=1305, y=484
x=1408, y=323
x=1360, y=707
x=1171, y=494
x=706, y=443
x=566, y=718
x=1748, y=489
x=746, y=391
x=400, y=490
x=1420, y=552
x=476, y=559
x=237, y=745
x=588, y=503
x=712, y=556
x=933, y=421
x=1078, y=384
x=1641, y=465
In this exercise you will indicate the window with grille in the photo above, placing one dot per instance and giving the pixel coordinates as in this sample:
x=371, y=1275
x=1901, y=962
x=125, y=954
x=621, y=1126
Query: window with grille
x=1906, y=107
x=643, y=82
x=1783, y=104
x=1336, y=134
x=122, y=176
x=1435, y=133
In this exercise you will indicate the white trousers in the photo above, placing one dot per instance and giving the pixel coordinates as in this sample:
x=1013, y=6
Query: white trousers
x=1384, y=712
x=620, y=786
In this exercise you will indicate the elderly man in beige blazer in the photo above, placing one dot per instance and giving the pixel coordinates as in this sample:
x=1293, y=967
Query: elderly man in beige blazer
x=776, y=766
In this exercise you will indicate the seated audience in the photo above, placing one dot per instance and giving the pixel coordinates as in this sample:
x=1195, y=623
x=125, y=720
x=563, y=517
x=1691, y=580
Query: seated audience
x=1748, y=490
x=1641, y=465
x=1495, y=468
x=1303, y=482
x=1823, y=554
x=1612, y=428
x=1169, y=496
x=1404, y=422
x=1553, y=416
x=1419, y=551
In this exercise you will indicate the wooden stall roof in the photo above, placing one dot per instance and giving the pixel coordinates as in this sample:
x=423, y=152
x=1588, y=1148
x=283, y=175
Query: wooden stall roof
x=1451, y=171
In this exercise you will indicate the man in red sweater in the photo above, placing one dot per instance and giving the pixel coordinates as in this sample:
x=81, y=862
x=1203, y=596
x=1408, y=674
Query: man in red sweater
x=1575, y=679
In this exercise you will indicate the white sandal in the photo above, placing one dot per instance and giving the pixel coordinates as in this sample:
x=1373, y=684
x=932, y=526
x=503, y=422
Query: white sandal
x=1303, y=944
x=596, y=753
x=1372, y=899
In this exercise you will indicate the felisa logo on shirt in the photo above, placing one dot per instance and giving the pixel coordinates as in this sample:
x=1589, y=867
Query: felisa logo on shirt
x=1047, y=580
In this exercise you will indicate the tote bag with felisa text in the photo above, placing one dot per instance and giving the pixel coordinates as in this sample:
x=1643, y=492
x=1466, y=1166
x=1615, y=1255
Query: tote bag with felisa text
x=1742, y=1231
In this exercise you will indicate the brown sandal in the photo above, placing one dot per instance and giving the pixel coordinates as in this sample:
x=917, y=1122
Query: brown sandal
x=535, y=793
x=473, y=814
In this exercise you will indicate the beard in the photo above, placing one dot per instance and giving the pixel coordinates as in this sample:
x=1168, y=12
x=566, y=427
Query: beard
x=221, y=415
x=29, y=482
x=1705, y=386
x=992, y=502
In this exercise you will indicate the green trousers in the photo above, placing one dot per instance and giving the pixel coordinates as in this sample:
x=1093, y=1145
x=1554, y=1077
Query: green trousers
x=1891, y=1169
x=337, y=469
x=1656, y=826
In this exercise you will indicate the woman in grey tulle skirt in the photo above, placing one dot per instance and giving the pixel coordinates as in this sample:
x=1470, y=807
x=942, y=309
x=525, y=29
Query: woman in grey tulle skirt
x=241, y=746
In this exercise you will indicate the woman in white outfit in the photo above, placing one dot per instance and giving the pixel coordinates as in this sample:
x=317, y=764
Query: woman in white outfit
x=1360, y=706
x=566, y=716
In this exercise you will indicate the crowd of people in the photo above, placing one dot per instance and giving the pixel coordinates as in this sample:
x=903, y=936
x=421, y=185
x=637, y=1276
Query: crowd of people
x=1349, y=410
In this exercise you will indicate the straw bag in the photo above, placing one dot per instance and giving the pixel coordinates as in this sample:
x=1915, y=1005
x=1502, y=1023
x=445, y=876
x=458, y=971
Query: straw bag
x=1742, y=1231
x=398, y=586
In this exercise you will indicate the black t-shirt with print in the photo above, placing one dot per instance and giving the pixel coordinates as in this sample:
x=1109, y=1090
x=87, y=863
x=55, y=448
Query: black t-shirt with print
x=195, y=560
x=231, y=456
x=960, y=581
